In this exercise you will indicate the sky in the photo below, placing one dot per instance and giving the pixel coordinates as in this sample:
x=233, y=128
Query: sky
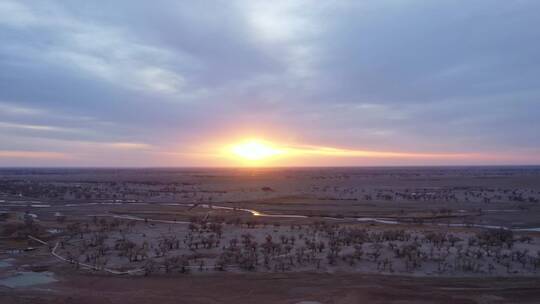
x=320, y=83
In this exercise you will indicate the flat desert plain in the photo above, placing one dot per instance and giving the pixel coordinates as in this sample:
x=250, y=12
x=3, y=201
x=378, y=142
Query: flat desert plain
x=270, y=235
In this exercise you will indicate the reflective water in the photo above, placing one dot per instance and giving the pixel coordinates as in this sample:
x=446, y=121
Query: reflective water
x=27, y=278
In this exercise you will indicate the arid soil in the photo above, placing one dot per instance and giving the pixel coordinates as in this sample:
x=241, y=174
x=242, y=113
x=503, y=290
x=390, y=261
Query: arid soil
x=336, y=235
x=277, y=288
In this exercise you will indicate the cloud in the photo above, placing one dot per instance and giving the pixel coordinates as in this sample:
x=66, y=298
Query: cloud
x=31, y=154
x=34, y=127
x=444, y=77
x=13, y=109
x=15, y=14
x=103, y=51
x=127, y=145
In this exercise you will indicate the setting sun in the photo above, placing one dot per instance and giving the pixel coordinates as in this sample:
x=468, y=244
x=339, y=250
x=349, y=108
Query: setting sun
x=255, y=150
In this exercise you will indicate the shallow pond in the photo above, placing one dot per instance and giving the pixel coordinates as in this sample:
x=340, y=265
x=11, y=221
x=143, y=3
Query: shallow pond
x=5, y=263
x=27, y=278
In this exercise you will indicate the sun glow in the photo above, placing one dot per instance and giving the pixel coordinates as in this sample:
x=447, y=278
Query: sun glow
x=255, y=150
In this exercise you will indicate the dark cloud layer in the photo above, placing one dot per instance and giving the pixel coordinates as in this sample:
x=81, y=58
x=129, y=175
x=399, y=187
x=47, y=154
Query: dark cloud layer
x=129, y=79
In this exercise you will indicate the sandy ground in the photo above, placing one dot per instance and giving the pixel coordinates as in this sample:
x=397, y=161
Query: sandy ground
x=462, y=202
x=290, y=288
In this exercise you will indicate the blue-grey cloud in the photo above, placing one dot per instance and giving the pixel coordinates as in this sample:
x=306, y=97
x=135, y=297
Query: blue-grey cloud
x=458, y=76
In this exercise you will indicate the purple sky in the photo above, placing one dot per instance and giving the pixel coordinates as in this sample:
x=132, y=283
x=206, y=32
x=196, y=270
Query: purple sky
x=169, y=83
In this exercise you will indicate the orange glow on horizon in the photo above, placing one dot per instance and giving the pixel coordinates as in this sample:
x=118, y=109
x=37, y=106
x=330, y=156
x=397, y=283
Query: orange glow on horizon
x=255, y=152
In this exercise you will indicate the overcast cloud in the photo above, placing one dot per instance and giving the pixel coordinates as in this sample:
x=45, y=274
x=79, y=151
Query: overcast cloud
x=127, y=82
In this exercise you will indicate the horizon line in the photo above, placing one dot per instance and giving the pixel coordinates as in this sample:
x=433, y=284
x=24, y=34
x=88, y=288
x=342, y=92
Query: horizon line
x=271, y=167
